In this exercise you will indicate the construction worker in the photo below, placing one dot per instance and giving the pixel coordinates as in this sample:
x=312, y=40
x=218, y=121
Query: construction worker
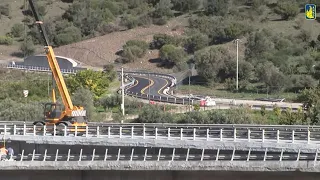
x=10, y=153
x=3, y=152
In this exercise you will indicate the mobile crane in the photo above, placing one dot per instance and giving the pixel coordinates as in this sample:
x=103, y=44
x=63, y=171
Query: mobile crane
x=54, y=112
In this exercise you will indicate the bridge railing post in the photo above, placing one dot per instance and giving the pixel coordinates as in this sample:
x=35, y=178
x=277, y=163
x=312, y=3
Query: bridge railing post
x=120, y=131
x=24, y=129
x=132, y=131
x=217, y=156
x=98, y=132
x=119, y=153
x=187, y=157
x=316, y=156
x=298, y=156
x=278, y=135
x=173, y=154
x=168, y=133
x=93, y=154
x=235, y=134
x=249, y=153
x=221, y=134
x=263, y=133
x=87, y=131
x=208, y=134
x=80, y=155
x=292, y=136
x=156, y=133
x=22, y=154
x=194, y=133
x=145, y=154
x=265, y=154
x=159, y=154
x=233, y=152
x=68, y=158
x=144, y=132
x=202, y=154
x=14, y=129
x=65, y=131
x=5, y=129
x=109, y=133
x=45, y=155
x=34, y=130
x=33, y=153
x=308, y=136
x=44, y=130
x=132, y=151
x=249, y=135
x=76, y=131
x=105, y=155
x=181, y=133
x=281, y=155
x=54, y=130
x=57, y=153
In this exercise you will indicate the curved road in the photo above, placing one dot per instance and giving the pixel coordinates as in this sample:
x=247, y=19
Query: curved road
x=156, y=84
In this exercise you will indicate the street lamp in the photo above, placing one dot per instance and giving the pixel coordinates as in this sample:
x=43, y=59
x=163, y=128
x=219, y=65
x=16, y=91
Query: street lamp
x=122, y=92
x=191, y=67
x=149, y=86
x=237, y=79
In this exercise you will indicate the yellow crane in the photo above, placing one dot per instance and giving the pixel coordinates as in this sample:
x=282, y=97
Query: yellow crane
x=55, y=113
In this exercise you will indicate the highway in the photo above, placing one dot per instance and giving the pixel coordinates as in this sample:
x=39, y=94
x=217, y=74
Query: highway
x=176, y=132
x=167, y=154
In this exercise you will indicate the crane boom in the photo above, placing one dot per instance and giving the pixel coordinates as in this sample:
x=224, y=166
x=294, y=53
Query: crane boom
x=53, y=63
x=53, y=112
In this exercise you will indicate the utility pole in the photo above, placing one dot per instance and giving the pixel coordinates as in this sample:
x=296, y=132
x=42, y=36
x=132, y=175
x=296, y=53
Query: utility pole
x=149, y=87
x=122, y=91
x=189, y=89
x=237, y=83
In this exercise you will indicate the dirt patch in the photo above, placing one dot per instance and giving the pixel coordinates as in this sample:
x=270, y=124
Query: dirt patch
x=101, y=50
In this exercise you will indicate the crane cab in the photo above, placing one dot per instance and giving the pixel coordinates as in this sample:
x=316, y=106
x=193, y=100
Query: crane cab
x=52, y=111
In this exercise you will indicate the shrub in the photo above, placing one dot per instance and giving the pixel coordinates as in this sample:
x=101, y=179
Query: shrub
x=5, y=40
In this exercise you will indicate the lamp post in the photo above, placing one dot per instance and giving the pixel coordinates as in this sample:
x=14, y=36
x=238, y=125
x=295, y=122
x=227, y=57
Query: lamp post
x=237, y=78
x=149, y=86
x=191, y=67
x=122, y=92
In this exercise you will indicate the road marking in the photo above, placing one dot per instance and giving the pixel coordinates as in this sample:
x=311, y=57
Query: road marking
x=135, y=84
x=150, y=84
x=163, y=86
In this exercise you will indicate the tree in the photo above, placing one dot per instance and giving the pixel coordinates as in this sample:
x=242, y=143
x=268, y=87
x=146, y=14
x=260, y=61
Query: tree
x=311, y=103
x=287, y=9
x=152, y=114
x=84, y=97
x=95, y=81
x=196, y=42
x=17, y=30
x=258, y=44
x=172, y=55
x=271, y=76
x=210, y=61
x=160, y=40
x=217, y=7
x=27, y=47
x=163, y=9
x=186, y=5
x=134, y=49
x=68, y=35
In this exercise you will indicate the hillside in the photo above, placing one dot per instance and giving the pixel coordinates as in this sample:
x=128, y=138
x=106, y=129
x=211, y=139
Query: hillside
x=274, y=36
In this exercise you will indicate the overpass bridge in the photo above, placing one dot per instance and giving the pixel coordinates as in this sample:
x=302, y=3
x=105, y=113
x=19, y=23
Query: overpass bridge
x=158, y=147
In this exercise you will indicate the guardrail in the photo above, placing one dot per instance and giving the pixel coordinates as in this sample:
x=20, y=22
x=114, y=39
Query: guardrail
x=234, y=133
x=41, y=69
x=174, y=154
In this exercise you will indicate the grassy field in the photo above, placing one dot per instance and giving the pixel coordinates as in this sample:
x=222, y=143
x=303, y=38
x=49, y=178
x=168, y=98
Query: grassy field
x=215, y=92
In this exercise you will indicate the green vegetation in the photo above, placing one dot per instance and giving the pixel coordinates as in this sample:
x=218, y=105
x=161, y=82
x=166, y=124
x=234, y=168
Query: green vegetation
x=87, y=88
x=241, y=115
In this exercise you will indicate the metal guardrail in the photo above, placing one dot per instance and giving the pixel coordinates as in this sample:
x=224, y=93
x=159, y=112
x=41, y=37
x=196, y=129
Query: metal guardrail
x=223, y=133
x=40, y=69
x=174, y=154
